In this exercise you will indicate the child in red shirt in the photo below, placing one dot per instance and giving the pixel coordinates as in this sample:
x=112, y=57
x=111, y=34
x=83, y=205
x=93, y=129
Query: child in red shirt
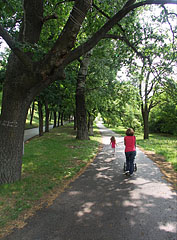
x=113, y=143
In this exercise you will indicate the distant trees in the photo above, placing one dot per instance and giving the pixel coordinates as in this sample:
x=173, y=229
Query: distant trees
x=163, y=118
x=152, y=74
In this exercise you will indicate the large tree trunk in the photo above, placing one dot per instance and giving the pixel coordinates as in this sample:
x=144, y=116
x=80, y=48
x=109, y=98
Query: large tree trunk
x=12, y=123
x=81, y=113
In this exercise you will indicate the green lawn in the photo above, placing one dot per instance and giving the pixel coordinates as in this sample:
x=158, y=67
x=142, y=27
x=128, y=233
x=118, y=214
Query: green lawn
x=48, y=162
x=165, y=145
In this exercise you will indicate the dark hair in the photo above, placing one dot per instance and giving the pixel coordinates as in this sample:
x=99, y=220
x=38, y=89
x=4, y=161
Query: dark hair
x=113, y=139
x=129, y=132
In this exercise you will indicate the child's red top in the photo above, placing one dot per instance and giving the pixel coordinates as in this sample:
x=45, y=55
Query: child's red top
x=113, y=144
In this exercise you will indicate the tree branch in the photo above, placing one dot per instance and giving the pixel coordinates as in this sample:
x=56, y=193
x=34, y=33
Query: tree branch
x=107, y=16
x=67, y=38
x=63, y=2
x=17, y=51
x=47, y=18
x=124, y=39
x=100, y=34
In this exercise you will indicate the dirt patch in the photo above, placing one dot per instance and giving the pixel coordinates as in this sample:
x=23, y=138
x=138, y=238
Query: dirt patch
x=165, y=167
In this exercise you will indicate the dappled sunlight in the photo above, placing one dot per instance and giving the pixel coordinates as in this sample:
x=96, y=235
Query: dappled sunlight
x=101, y=175
x=109, y=160
x=74, y=193
x=86, y=208
x=102, y=168
x=168, y=227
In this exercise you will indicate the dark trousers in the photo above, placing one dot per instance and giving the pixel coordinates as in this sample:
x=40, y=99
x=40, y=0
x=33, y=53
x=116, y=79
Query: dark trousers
x=130, y=157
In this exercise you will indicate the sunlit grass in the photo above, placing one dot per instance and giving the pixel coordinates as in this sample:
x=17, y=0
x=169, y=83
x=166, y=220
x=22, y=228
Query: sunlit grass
x=163, y=145
x=47, y=162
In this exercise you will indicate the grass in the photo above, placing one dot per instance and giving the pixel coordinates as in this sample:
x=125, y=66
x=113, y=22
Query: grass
x=165, y=145
x=48, y=162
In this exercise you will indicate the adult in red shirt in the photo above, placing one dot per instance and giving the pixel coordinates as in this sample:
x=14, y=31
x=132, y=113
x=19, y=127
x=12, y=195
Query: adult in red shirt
x=130, y=150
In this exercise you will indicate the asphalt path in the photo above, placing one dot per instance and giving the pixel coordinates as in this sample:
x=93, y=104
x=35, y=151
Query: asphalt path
x=30, y=133
x=103, y=204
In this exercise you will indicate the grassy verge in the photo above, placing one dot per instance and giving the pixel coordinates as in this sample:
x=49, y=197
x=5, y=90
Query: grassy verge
x=48, y=162
x=160, y=144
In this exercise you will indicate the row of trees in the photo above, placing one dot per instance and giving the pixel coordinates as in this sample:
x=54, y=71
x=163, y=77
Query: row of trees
x=45, y=37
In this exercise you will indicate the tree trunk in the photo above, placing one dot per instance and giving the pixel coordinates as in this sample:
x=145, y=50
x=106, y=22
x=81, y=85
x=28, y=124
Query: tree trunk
x=32, y=113
x=46, y=117
x=81, y=114
x=55, y=119
x=59, y=114
x=75, y=122
x=40, y=112
x=62, y=115
x=145, y=114
x=90, y=125
x=12, y=124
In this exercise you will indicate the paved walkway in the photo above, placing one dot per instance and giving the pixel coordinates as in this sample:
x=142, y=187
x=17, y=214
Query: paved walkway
x=29, y=133
x=103, y=204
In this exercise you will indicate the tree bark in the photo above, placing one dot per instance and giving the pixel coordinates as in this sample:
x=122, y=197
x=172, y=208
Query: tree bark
x=75, y=122
x=59, y=114
x=55, y=119
x=81, y=114
x=90, y=125
x=12, y=124
x=62, y=115
x=46, y=117
x=32, y=113
x=40, y=112
x=145, y=114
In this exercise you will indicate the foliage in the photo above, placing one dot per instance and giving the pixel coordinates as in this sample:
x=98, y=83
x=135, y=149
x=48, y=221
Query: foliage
x=163, y=119
x=152, y=74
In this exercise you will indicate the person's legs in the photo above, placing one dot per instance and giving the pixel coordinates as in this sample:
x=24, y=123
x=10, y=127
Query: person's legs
x=132, y=158
x=127, y=155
